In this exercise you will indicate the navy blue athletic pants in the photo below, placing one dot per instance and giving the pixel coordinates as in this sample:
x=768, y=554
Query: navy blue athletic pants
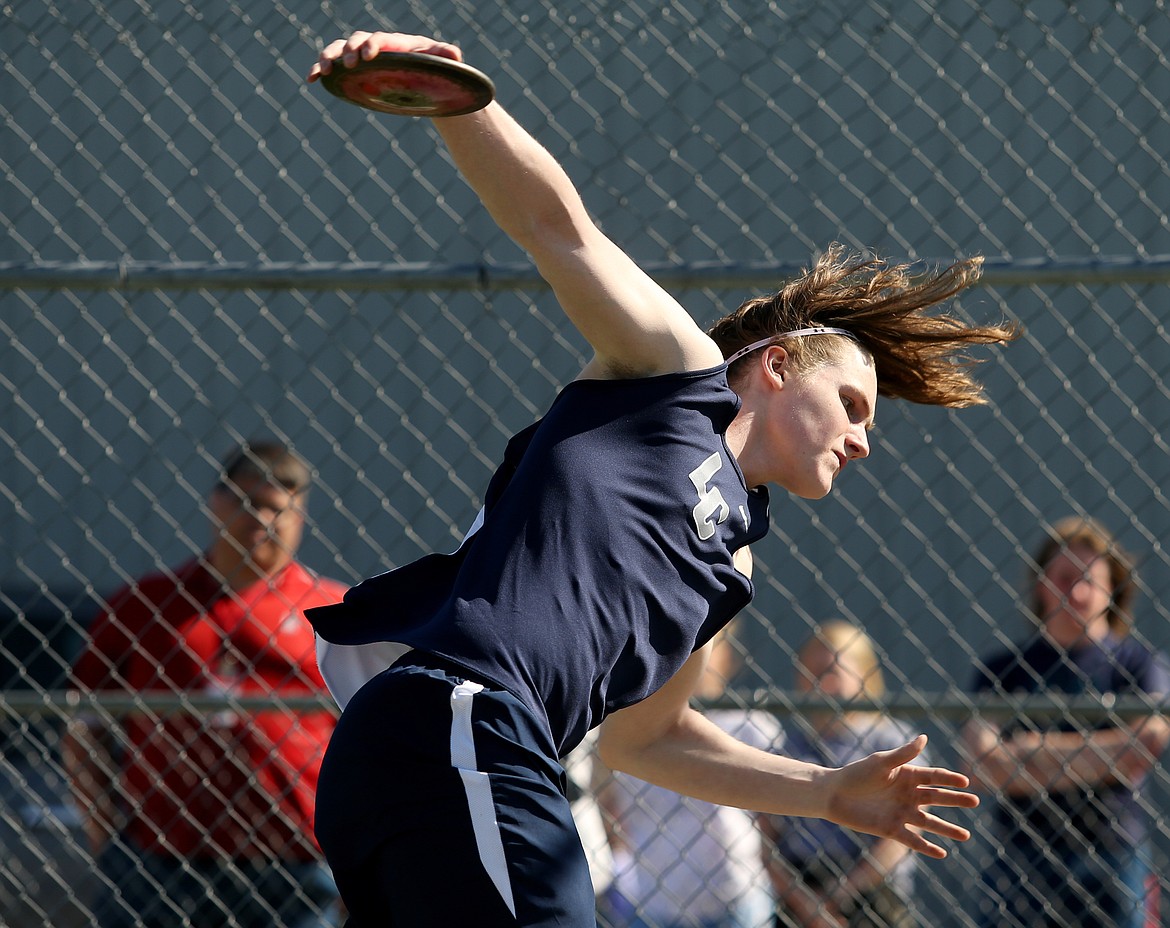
x=441, y=802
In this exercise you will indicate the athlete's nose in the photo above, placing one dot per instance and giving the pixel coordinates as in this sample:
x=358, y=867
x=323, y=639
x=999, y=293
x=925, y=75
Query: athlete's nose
x=857, y=444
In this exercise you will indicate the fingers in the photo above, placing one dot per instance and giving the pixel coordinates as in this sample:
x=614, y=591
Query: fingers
x=906, y=753
x=926, y=777
x=914, y=835
x=335, y=50
x=920, y=845
x=362, y=46
x=941, y=776
x=941, y=827
x=956, y=799
x=932, y=791
x=915, y=838
x=937, y=776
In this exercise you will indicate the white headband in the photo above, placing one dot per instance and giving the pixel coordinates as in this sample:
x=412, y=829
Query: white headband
x=811, y=330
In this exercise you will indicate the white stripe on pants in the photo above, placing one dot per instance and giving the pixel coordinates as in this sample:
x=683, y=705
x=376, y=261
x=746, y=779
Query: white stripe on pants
x=479, y=792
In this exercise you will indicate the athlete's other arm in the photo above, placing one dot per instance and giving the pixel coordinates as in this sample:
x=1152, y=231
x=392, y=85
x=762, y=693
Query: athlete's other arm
x=634, y=327
x=664, y=741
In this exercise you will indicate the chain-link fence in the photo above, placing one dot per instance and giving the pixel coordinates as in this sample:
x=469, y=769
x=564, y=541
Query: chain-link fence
x=198, y=249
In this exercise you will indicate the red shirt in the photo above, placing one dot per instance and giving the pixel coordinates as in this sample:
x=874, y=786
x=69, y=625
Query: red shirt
x=225, y=784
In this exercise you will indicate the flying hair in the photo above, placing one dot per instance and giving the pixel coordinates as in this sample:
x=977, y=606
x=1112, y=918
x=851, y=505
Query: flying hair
x=919, y=356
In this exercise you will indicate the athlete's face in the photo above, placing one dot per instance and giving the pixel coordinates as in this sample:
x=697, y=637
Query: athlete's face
x=818, y=419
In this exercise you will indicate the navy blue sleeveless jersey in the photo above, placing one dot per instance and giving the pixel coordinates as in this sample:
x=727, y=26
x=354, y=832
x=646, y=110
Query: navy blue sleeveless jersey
x=603, y=561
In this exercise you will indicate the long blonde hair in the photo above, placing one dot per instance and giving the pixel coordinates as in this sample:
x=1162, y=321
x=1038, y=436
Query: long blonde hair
x=841, y=637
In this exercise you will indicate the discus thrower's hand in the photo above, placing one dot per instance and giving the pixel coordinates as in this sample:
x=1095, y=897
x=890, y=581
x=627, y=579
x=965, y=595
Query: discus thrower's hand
x=362, y=46
x=885, y=795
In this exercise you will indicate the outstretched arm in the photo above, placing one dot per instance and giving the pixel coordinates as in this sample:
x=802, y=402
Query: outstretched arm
x=664, y=741
x=633, y=325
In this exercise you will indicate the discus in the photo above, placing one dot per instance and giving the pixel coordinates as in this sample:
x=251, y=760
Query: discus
x=411, y=84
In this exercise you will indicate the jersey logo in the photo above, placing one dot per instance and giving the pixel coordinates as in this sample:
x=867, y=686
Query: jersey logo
x=712, y=508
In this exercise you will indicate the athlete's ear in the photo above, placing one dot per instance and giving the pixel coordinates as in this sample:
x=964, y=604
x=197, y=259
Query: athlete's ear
x=776, y=364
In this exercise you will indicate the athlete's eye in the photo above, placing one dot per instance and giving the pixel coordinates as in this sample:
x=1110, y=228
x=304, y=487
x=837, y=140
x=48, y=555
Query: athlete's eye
x=857, y=407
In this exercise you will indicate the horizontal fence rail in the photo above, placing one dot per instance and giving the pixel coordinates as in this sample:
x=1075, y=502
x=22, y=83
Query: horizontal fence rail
x=1085, y=709
x=360, y=277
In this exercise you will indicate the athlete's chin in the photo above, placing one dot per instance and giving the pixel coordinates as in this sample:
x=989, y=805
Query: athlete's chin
x=816, y=491
x=811, y=483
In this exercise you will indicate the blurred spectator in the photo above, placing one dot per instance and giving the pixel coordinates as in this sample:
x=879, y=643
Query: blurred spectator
x=1070, y=833
x=206, y=820
x=825, y=876
x=681, y=862
x=580, y=778
x=45, y=875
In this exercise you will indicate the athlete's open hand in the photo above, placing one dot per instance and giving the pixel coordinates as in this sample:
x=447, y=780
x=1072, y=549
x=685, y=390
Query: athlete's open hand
x=885, y=795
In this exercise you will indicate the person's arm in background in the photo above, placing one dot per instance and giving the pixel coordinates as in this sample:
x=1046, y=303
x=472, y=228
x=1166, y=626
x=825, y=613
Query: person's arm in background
x=875, y=867
x=1029, y=762
x=803, y=904
x=88, y=757
x=610, y=800
x=88, y=744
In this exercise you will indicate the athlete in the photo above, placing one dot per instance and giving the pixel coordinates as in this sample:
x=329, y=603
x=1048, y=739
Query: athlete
x=613, y=545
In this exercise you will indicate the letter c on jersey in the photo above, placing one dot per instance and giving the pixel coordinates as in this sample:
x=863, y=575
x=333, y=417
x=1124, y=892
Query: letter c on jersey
x=711, y=508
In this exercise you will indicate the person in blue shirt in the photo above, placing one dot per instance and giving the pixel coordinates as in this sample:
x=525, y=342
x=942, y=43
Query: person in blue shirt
x=613, y=546
x=825, y=876
x=1070, y=830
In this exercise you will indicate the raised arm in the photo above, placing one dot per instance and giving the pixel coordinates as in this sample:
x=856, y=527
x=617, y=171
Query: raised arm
x=634, y=326
x=664, y=741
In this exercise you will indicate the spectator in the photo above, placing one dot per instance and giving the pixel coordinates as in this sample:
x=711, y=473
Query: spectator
x=202, y=820
x=1070, y=835
x=826, y=876
x=681, y=862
